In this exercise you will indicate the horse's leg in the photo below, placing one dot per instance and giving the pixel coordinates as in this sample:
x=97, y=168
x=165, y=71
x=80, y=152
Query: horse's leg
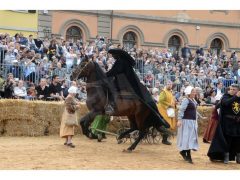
x=86, y=121
x=123, y=134
x=133, y=127
x=134, y=145
x=83, y=121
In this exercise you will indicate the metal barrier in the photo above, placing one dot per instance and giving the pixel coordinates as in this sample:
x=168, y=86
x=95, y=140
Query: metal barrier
x=21, y=71
x=182, y=81
x=33, y=73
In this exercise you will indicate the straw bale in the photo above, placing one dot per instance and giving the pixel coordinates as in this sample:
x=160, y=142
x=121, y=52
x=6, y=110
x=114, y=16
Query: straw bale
x=33, y=118
x=27, y=127
x=2, y=128
x=117, y=123
x=202, y=123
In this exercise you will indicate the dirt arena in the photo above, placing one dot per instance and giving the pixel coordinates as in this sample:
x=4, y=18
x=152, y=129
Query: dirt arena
x=49, y=153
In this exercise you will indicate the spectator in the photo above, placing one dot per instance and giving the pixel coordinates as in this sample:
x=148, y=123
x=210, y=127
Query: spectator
x=39, y=45
x=31, y=43
x=65, y=88
x=29, y=70
x=211, y=98
x=20, y=91
x=82, y=92
x=155, y=94
x=15, y=69
x=219, y=89
x=70, y=60
x=52, y=49
x=2, y=84
x=59, y=71
x=186, y=53
x=55, y=89
x=31, y=92
x=9, y=87
x=42, y=90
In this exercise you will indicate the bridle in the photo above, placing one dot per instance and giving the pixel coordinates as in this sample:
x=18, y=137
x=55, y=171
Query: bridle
x=81, y=69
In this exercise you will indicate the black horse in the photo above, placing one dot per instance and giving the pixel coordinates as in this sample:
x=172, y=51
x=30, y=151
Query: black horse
x=140, y=116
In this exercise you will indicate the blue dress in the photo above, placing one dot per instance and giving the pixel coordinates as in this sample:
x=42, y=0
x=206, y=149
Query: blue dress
x=187, y=135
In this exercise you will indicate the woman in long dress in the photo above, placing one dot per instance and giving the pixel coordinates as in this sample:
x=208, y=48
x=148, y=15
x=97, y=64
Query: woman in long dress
x=71, y=106
x=187, y=135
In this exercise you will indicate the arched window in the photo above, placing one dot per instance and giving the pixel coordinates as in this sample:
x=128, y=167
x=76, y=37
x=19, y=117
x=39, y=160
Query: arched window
x=216, y=46
x=129, y=40
x=74, y=33
x=174, y=43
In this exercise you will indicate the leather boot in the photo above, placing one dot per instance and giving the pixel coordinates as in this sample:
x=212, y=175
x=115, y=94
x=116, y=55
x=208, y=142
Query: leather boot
x=165, y=140
x=110, y=109
x=189, y=157
x=183, y=154
x=238, y=158
x=226, y=158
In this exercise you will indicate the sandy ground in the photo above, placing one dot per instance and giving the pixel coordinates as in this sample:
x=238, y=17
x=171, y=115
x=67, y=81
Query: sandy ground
x=50, y=153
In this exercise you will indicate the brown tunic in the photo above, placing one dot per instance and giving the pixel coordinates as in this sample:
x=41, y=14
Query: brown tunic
x=69, y=112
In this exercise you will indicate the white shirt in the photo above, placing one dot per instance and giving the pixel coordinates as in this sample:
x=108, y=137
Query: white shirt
x=20, y=91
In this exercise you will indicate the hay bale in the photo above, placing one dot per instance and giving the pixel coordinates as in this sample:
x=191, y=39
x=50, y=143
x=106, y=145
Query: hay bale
x=19, y=127
x=32, y=118
x=2, y=128
x=205, y=111
x=117, y=123
x=54, y=119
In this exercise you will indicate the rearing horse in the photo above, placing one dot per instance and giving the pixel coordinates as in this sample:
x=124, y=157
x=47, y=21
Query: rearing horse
x=139, y=115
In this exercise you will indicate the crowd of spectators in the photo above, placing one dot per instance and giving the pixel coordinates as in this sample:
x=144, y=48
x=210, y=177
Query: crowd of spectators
x=35, y=68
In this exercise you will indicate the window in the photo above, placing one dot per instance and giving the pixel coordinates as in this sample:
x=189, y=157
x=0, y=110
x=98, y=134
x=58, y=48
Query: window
x=74, y=33
x=216, y=46
x=129, y=40
x=21, y=11
x=25, y=11
x=174, y=43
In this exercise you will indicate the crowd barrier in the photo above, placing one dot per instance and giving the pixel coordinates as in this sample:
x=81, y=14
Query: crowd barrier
x=39, y=118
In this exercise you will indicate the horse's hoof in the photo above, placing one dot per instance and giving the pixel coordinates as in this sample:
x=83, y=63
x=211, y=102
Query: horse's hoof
x=119, y=141
x=99, y=138
x=127, y=150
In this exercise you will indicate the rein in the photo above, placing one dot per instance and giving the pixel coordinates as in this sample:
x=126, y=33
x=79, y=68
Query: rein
x=81, y=70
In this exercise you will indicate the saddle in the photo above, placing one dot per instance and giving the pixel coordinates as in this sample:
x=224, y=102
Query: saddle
x=125, y=95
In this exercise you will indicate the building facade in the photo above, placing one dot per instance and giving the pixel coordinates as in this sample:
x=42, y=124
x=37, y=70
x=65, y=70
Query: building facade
x=16, y=21
x=26, y=21
x=217, y=30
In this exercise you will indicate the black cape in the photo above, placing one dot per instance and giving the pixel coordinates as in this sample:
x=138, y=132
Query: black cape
x=126, y=79
x=226, y=127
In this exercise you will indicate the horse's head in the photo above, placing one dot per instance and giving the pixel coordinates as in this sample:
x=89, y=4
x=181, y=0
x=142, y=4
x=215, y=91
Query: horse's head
x=82, y=70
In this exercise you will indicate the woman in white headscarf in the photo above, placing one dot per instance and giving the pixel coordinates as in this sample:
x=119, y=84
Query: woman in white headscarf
x=71, y=105
x=187, y=136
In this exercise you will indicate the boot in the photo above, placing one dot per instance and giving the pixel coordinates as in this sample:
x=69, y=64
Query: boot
x=165, y=141
x=104, y=136
x=205, y=141
x=183, y=154
x=226, y=158
x=109, y=110
x=238, y=158
x=189, y=157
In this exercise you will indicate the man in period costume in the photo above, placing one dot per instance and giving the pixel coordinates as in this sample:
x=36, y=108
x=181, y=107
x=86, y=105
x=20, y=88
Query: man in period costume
x=126, y=80
x=166, y=100
x=225, y=145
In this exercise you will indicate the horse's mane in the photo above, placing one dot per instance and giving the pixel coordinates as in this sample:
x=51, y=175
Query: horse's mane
x=100, y=75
